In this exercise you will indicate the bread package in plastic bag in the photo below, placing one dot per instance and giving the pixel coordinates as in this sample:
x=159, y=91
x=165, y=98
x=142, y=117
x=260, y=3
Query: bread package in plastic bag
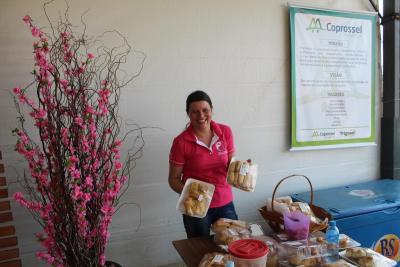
x=215, y=260
x=242, y=174
x=227, y=230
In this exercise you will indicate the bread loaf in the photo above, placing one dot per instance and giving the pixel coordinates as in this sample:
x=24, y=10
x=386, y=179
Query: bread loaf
x=241, y=174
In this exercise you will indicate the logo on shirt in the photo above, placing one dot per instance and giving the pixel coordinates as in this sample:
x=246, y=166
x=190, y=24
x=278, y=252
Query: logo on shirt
x=220, y=146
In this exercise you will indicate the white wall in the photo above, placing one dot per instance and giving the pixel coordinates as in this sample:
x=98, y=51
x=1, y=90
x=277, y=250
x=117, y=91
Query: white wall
x=236, y=50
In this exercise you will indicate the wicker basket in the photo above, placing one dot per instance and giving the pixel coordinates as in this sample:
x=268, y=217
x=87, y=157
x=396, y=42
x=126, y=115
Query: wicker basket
x=275, y=219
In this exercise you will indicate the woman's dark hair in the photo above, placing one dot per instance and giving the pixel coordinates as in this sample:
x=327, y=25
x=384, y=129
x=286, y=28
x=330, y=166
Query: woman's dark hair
x=197, y=96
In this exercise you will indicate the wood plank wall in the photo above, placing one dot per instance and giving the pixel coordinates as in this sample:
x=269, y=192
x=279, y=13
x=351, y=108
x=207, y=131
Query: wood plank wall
x=9, y=251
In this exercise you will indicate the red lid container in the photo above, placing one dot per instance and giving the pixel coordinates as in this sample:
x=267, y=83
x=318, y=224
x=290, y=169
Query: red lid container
x=248, y=248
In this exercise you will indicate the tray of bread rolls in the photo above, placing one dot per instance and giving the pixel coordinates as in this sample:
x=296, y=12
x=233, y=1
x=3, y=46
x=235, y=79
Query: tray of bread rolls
x=366, y=257
x=303, y=253
x=195, y=198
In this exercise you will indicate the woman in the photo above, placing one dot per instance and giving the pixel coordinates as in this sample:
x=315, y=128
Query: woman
x=203, y=151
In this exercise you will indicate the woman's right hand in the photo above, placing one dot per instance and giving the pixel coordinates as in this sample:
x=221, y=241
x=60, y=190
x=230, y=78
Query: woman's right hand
x=175, y=178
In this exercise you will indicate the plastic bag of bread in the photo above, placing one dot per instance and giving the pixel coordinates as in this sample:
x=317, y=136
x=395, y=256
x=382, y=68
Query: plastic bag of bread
x=215, y=260
x=224, y=223
x=284, y=202
x=227, y=230
x=242, y=174
x=195, y=198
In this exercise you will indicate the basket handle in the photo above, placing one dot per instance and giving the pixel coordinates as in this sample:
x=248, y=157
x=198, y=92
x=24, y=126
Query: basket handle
x=287, y=177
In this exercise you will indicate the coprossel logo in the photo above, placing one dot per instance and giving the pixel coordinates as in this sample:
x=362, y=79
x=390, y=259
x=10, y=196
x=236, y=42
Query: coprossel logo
x=315, y=25
x=388, y=246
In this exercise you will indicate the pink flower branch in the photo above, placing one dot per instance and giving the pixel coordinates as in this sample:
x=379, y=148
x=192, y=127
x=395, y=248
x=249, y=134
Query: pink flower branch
x=76, y=174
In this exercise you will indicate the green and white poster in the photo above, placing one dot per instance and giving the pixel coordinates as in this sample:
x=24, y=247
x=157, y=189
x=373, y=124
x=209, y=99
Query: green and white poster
x=333, y=78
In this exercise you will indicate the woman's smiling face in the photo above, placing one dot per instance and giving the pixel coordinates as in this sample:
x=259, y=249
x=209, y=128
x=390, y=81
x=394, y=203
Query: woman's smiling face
x=200, y=114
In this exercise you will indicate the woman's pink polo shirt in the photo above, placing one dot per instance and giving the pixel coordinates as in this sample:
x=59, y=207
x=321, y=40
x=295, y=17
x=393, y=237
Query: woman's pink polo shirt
x=202, y=163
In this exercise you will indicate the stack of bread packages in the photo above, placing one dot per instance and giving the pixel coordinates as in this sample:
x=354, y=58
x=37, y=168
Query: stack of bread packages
x=285, y=204
x=242, y=174
x=227, y=230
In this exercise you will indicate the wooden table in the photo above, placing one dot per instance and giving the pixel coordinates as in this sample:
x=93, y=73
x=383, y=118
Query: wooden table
x=193, y=249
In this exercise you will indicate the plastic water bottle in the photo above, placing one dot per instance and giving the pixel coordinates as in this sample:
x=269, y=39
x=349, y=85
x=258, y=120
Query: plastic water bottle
x=230, y=264
x=332, y=238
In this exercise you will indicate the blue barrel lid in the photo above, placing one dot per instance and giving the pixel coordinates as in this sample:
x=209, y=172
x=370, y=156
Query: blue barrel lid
x=355, y=199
